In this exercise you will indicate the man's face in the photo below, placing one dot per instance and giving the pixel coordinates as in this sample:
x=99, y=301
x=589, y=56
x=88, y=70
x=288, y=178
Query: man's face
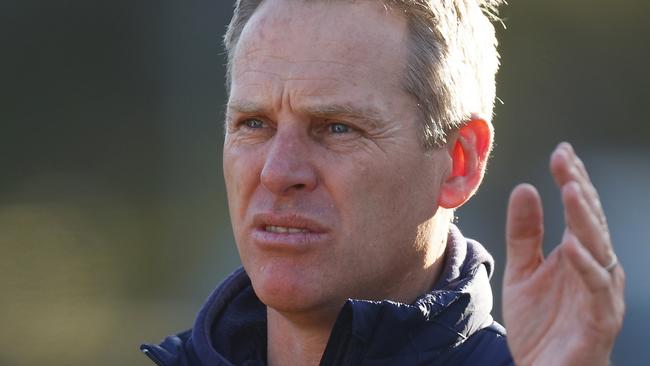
x=328, y=186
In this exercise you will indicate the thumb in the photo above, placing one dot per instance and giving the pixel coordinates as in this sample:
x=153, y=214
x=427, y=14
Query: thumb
x=524, y=233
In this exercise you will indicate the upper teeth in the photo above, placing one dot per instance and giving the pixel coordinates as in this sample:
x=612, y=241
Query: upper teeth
x=282, y=229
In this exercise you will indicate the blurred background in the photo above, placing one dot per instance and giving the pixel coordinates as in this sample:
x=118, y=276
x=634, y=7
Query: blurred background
x=113, y=218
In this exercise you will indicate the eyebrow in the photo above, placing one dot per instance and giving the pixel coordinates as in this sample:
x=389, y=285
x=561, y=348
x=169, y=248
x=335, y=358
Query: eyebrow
x=369, y=116
x=243, y=107
x=246, y=107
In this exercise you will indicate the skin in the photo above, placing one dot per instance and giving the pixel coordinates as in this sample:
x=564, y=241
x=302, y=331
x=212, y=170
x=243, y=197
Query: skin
x=322, y=139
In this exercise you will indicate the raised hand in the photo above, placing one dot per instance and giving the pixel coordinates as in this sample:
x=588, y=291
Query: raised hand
x=565, y=309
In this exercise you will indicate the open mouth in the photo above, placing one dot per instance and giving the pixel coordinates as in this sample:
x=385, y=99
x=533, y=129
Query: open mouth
x=289, y=233
x=284, y=229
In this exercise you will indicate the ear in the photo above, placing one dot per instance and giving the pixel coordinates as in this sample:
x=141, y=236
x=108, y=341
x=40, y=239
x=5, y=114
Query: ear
x=469, y=150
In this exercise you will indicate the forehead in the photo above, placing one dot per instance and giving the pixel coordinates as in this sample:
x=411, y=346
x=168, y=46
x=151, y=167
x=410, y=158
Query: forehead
x=321, y=49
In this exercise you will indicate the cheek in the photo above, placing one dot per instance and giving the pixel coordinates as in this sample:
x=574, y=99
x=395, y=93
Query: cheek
x=387, y=197
x=240, y=177
x=365, y=197
x=241, y=174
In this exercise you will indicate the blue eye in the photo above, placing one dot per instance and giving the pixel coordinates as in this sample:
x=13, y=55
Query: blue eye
x=254, y=123
x=339, y=128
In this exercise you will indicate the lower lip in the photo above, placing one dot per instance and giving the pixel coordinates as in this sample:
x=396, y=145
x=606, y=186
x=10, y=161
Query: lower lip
x=288, y=241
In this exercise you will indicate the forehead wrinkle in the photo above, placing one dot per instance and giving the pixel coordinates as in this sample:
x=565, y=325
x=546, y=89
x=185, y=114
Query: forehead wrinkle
x=294, y=59
x=287, y=73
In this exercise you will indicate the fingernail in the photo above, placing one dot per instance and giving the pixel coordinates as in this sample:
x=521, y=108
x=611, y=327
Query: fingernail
x=560, y=150
x=567, y=146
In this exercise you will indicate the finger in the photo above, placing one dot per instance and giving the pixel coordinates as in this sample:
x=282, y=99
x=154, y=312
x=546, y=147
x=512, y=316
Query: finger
x=607, y=298
x=524, y=233
x=566, y=166
x=619, y=279
x=594, y=276
x=565, y=158
x=577, y=161
x=583, y=223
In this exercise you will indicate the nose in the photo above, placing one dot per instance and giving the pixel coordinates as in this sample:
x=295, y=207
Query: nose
x=287, y=166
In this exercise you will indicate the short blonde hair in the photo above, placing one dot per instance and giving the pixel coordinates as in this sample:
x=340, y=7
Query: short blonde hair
x=452, y=62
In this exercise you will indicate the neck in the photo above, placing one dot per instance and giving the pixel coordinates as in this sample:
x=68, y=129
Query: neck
x=297, y=339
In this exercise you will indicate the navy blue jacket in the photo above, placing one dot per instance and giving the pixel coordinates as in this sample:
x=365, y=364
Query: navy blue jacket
x=451, y=325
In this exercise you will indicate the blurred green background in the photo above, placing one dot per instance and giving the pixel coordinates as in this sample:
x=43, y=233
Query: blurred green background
x=113, y=218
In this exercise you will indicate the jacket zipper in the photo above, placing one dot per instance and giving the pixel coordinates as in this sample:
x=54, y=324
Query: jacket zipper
x=152, y=356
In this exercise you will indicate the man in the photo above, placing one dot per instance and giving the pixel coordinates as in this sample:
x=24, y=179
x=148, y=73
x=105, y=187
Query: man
x=353, y=131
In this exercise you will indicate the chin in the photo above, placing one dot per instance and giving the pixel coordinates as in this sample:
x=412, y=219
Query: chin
x=286, y=288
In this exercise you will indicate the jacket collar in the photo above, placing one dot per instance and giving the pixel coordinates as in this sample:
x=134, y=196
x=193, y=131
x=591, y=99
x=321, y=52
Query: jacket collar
x=457, y=307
